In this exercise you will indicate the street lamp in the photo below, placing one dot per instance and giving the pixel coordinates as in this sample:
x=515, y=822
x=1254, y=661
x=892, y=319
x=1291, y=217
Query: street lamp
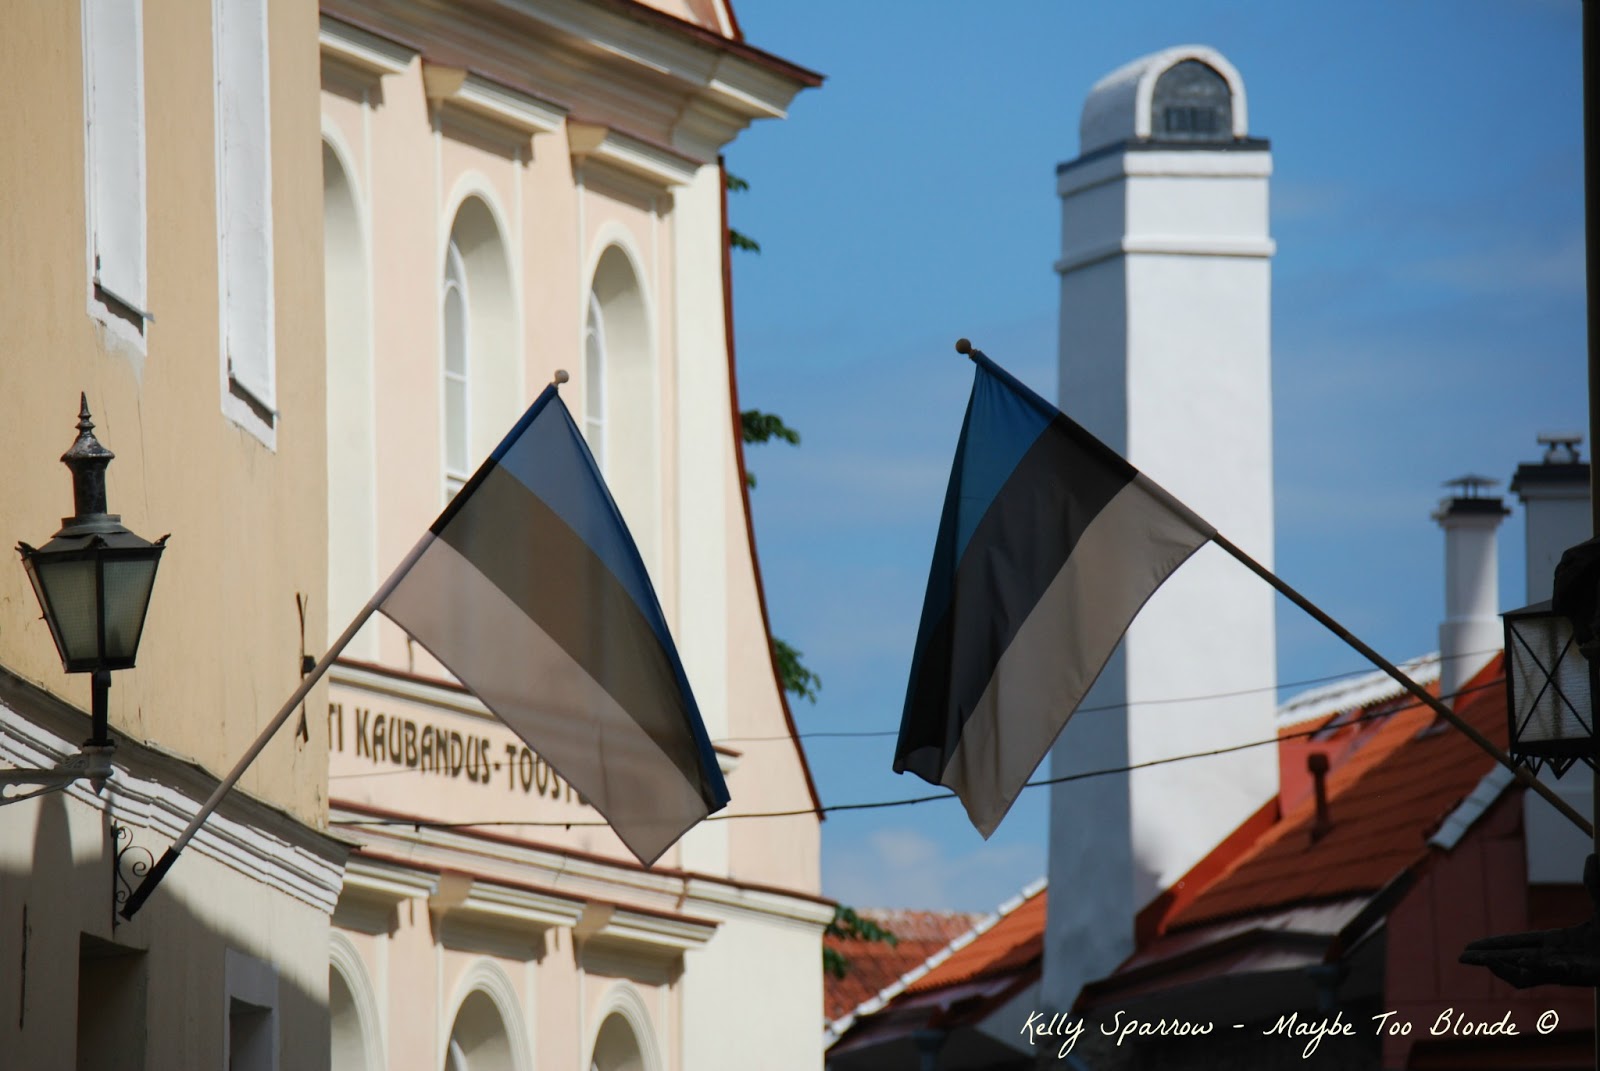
x=1550, y=685
x=1552, y=658
x=93, y=580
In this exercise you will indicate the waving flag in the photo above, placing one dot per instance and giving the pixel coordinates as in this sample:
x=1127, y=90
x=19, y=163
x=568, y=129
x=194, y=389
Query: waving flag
x=530, y=590
x=1048, y=546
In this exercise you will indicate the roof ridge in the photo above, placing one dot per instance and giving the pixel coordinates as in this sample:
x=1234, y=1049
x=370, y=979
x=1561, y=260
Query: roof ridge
x=835, y=1029
x=1365, y=690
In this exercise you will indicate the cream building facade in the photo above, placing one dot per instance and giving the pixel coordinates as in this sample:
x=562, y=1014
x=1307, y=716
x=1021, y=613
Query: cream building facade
x=509, y=189
x=161, y=223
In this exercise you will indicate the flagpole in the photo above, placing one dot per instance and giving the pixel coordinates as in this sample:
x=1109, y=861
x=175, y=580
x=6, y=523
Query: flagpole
x=309, y=681
x=1416, y=690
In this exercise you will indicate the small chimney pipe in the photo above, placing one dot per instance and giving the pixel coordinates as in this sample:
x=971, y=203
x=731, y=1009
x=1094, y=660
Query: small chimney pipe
x=1471, y=631
x=1317, y=765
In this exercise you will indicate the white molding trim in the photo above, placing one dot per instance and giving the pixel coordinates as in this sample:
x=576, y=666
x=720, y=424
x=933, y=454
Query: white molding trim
x=367, y=56
x=583, y=877
x=153, y=804
x=377, y=879
x=1156, y=163
x=512, y=112
x=486, y=977
x=491, y=906
x=624, y=999
x=1166, y=245
x=592, y=143
x=343, y=957
x=640, y=935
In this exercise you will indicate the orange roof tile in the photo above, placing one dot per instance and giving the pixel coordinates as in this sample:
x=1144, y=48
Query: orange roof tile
x=1015, y=940
x=1384, y=798
x=876, y=965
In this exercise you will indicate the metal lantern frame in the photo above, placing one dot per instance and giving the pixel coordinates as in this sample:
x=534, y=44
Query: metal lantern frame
x=1550, y=690
x=94, y=578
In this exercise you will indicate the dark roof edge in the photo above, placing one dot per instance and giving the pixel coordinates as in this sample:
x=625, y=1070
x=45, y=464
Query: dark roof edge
x=1246, y=144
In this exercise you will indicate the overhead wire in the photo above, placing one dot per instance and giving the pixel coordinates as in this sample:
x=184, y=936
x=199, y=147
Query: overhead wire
x=869, y=733
x=1387, y=711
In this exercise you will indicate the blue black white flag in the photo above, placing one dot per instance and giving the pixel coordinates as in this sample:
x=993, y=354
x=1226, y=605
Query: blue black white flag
x=530, y=590
x=1049, y=545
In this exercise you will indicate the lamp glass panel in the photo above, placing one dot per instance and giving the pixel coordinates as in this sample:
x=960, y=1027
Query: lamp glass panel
x=128, y=584
x=1550, y=683
x=69, y=588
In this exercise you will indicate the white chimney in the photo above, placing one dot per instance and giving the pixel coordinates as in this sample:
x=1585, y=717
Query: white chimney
x=1555, y=501
x=1471, y=632
x=1166, y=344
x=1555, y=498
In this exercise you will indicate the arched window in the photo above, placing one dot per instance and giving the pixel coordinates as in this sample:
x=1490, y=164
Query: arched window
x=478, y=1039
x=594, y=381
x=615, y=1048
x=346, y=1035
x=480, y=369
x=1191, y=102
x=354, y=1042
x=456, y=317
x=620, y=378
x=352, y=451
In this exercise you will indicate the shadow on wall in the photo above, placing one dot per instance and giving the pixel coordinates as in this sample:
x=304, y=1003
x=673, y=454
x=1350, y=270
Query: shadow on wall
x=167, y=990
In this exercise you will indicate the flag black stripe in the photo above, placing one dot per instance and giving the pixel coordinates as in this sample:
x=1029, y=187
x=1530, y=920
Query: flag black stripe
x=1029, y=530
x=570, y=593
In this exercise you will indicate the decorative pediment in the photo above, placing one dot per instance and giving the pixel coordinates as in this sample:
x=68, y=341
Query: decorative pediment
x=486, y=916
x=373, y=888
x=486, y=112
x=356, y=61
x=592, y=143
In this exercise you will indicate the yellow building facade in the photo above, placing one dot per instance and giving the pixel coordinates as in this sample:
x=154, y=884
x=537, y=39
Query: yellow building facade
x=162, y=237
x=308, y=266
x=512, y=189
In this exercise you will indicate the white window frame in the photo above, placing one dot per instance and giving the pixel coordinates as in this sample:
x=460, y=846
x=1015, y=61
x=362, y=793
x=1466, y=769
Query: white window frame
x=114, y=166
x=455, y=278
x=594, y=381
x=245, y=277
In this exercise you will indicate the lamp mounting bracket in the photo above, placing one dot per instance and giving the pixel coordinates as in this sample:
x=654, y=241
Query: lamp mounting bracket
x=92, y=762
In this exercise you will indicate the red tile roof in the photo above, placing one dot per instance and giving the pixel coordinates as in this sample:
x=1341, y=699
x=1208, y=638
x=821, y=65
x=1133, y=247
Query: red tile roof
x=1385, y=797
x=876, y=965
x=1014, y=941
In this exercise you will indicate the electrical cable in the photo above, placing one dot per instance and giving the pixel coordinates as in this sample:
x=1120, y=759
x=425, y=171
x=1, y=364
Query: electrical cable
x=865, y=733
x=1384, y=712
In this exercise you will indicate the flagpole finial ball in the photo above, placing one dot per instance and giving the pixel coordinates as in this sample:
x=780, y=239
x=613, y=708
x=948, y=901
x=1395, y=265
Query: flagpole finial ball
x=963, y=346
x=560, y=377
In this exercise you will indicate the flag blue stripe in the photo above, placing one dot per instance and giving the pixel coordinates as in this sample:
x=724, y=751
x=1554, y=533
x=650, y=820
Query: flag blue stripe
x=551, y=460
x=1001, y=427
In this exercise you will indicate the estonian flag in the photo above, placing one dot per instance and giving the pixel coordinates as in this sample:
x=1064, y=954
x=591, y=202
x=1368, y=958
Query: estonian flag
x=1048, y=546
x=530, y=590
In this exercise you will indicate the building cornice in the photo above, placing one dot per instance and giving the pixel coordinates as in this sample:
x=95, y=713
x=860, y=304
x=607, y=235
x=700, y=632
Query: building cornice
x=485, y=110
x=1175, y=245
x=152, y=791
x=1251, y=161
x=594, y=143
x=668, y=83
x=640, y=935
x=588, y=877
x=357, y=59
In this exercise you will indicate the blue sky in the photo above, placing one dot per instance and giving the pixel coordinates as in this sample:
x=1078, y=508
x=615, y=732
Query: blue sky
x=1427, y=322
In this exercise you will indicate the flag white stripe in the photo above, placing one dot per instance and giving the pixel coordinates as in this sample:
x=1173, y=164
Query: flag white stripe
x=546, y=698
x=1133, y=544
